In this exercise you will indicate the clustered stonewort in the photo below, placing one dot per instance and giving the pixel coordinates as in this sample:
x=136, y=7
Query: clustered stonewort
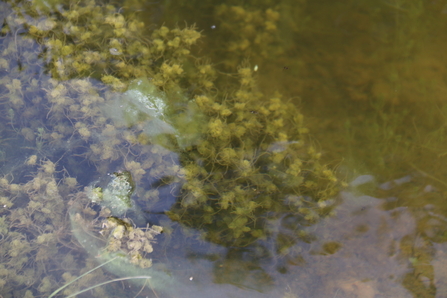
x=253, y=161
x=232, y=157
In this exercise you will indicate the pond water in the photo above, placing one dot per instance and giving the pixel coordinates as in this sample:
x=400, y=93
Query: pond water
x=273, y=149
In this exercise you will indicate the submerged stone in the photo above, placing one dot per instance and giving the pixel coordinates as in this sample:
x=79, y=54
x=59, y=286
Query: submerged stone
x=116, y=195
x=172, y=121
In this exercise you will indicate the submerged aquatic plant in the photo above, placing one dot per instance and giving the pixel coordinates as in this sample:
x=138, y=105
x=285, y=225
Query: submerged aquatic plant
x=97, y=285
x=253, y=163
x=69, y=283
x=109, y=281
x=215, y=153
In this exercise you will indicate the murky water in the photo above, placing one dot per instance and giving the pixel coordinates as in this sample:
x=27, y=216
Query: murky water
x=251, y=204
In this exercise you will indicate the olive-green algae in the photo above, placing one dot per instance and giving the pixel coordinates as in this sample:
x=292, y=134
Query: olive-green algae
x=238, y=158
x=255, y=157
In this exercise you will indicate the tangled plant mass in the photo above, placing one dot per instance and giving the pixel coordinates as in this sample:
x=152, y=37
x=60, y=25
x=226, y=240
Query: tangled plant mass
x=107, y=98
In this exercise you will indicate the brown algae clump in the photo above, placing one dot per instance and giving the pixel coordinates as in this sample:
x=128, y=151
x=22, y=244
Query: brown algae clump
x=119, y=232
x=125, y=244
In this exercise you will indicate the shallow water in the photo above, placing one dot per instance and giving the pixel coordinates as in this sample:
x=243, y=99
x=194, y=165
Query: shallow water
x=369, y=78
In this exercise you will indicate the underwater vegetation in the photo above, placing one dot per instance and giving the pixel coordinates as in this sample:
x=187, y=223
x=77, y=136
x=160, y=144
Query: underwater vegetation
x=119, y=232
x=253, y=160
x=85, y=84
